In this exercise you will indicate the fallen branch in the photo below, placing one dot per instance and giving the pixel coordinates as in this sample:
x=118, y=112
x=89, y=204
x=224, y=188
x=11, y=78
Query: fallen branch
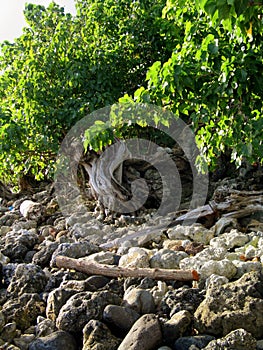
x=93, y=268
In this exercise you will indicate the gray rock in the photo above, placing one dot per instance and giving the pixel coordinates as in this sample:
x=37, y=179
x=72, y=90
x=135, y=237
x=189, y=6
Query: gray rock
x=44, y=327
x=230, y=307
x=28, y=278
x=177, y=326
x=140, y=300
x=9, y=332
x=193, y=342
x=181, y=299
x=57, y=298
x=238, y=339
x=23, y=342
x=43, y=256
x=167, y=259
x=247, y=266
x=23, y=310
x=58, y=340
x=120, y=317
x=145, y=334
x=97, y=336
x=260, y=344
x=82, y=307
x=17, y=244
x=74, y=250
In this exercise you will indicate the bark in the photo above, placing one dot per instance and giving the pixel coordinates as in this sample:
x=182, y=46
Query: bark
x=93, y=268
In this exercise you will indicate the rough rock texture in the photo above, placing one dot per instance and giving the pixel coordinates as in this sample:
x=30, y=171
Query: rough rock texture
x=58, y=340
x=82, y=307
x=23, y=310
x=28, y=278
x=238, y=339
x=145, y=334
x=97, y=336
x=234, y=305
x=193, y=342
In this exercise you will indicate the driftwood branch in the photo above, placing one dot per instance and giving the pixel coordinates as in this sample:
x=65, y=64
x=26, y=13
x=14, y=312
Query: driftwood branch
x=93, y=268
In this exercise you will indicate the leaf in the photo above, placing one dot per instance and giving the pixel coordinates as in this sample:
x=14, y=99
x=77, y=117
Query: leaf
x=241, y=6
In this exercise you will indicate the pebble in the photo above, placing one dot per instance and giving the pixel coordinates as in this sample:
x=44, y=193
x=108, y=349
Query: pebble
x=136, y=257
x=58, y=340
x=145, y=334
x=120, y=317
x=167, y=259
x=140, y=300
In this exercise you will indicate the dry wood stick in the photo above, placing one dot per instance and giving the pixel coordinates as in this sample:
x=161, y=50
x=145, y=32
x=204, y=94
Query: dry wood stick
x=93, y=268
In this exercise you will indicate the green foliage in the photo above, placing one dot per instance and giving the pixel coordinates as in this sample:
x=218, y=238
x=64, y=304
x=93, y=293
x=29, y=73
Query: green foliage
x=64, y=67
x=213, y=78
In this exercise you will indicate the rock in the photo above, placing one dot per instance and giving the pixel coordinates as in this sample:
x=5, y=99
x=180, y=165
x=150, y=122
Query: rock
x=195, y=232
x=158, y=292
x=9, y=332
x=140, y=300
x=23, y=342
x=43, y=256
x=107, y=258
x=136, y=257
x=2, y=320
x=4, y=259
x=222, y=268
x=119, y=317
x=193, y=342
x=145, y=334
x=177, y=326
x=82, y=307
x=260, y=344
x=246, y=266
x=230, y=307
x=58, y=340
x=215, y=281
x=58, y=297
x=28, y=278
x=167, y=259
x=17, y=244
x=181, y=299
x=97, y=336
x=32, y=210
x=237, y=339
x=23, y=310
x=74, y=250
x=44, y=327
x=164, y=348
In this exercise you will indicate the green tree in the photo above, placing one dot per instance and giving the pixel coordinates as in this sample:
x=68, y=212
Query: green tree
x=64, y=67
x=213, y=78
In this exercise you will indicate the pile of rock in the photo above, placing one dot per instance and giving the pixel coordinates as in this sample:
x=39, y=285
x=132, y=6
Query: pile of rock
x=43, y=307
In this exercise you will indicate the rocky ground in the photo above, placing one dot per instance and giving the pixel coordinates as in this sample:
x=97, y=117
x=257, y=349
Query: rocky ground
x=43, y=307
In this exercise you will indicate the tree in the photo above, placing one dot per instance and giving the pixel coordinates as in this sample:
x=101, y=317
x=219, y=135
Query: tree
x=213, y=78
x=64, y=67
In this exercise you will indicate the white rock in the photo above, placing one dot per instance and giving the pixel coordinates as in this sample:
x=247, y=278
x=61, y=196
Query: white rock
x=222, y=268
x=236, y=239
x=251, y=252
x=4, y=259
x=216, y=281
x=246, y=266
x=136, y=257
x=192, y=264
x=195, y=232
x=211, y=253
x=26, y=206
x=167, y=259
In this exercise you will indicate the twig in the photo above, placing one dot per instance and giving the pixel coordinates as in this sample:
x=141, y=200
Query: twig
x=93, y=268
